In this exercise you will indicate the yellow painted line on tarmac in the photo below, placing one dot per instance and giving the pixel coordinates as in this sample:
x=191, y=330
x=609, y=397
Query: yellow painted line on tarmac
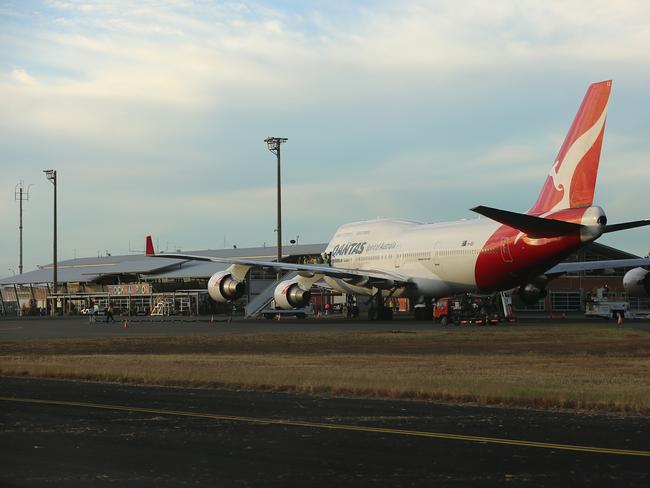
x=341, y=427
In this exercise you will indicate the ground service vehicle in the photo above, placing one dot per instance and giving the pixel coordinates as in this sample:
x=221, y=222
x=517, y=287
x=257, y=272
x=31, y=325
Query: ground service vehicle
x=468, y=309
x=278, y=313
x=607, y=309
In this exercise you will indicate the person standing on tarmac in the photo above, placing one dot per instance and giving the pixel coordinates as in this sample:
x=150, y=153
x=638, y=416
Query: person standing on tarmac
x=109, y=314
x=94, y=313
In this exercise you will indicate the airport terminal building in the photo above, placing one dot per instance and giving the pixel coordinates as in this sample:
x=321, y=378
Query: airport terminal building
x=139, y=284
x=144, y=285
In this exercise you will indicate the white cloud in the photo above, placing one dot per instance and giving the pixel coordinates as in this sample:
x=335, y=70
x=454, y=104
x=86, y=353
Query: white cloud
x=202, y=56
x=22, y=77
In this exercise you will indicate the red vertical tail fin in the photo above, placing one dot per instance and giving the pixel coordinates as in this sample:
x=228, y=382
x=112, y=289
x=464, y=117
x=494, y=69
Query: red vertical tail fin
x=572, y=179
x=149, y=250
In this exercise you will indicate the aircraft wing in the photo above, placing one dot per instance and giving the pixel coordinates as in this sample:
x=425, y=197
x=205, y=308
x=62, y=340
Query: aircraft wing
x=588, y=265
x=311, y=269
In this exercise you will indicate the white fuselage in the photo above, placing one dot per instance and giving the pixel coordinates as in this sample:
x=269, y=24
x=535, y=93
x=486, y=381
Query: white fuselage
x=439, y=259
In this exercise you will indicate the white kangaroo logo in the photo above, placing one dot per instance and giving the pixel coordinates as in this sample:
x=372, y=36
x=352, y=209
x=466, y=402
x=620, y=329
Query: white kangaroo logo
x=562, y=171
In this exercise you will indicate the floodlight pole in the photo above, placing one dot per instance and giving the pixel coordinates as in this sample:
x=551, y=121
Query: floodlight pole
x=21, y=195
x=273, y=143
x=50, y=174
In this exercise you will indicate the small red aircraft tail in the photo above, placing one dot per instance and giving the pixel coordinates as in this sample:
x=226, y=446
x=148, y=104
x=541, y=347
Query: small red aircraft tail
x=572, y=178
x=149, y=250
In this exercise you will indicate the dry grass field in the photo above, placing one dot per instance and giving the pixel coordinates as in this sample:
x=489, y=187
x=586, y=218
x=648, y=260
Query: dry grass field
x=574, y=367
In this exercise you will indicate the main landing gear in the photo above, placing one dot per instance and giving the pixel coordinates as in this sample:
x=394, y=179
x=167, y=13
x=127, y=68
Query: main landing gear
x=377, y=310
x=424, y=309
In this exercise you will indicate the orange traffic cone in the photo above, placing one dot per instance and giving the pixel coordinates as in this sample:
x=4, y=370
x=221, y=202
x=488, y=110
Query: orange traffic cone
x=619, y=322
x=125, y=325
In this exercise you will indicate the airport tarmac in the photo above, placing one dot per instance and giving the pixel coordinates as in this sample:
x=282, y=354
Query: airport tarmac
x=67, y=433
x=62, y=327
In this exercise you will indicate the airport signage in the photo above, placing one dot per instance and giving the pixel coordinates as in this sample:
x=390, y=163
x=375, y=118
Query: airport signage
x=132, y=289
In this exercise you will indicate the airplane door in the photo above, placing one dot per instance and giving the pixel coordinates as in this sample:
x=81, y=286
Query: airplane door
x=505, y=250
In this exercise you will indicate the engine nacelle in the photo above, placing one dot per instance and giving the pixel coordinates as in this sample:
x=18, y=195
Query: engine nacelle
x=637, y=282
x=531, y=293
x=289, y=294
x=222, y=287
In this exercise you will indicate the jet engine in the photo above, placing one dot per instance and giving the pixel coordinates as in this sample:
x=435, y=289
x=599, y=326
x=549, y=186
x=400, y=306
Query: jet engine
x=289, y=294
x=637, y=282
x=534, y=291
x=531, y=293
x=222, y=287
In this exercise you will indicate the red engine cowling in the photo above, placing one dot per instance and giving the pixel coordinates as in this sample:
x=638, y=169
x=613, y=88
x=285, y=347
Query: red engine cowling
x=222, y=287
x=289, y=294
x=637, y=282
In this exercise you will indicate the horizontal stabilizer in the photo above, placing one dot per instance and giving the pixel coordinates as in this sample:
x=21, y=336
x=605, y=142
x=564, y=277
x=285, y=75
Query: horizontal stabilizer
x=562, y=268
x=535, y=227
x=626, y=225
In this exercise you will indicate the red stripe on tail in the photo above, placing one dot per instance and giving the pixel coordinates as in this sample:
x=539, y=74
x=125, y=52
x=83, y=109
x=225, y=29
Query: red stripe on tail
x=149, y=247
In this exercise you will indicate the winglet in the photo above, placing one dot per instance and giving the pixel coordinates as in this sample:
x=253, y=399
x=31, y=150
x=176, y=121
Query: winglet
x=149, y=247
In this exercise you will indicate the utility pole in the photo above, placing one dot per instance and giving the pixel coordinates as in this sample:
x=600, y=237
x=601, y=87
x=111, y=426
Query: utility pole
x=21, y=195
x=273, y=143
x=50, y=174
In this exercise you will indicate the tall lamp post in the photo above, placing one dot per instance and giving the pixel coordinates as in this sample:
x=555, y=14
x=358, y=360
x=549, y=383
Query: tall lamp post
x=273, y=143
x=21, y=195
x=50, y=174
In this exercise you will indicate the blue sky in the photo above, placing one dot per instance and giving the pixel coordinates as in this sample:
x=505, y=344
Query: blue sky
x=154, y=114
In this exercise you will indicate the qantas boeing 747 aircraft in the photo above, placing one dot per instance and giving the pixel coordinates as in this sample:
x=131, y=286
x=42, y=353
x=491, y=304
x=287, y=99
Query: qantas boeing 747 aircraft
x=505, y=251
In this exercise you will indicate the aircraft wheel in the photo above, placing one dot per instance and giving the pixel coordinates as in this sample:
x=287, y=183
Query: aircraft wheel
x=424, y=313
x=386, y=313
